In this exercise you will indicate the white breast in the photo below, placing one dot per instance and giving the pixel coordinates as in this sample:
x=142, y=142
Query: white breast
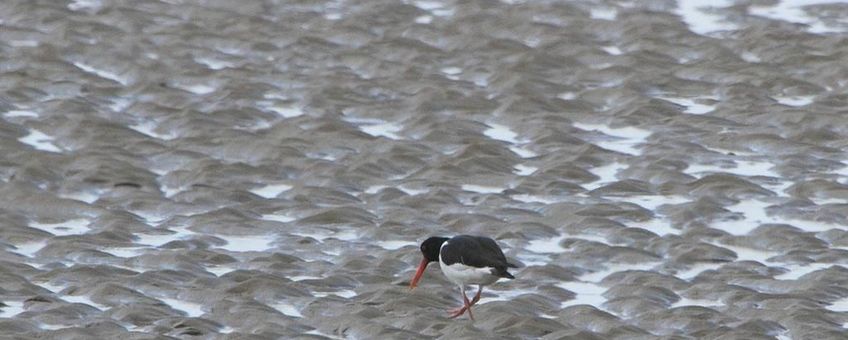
x=461, y=274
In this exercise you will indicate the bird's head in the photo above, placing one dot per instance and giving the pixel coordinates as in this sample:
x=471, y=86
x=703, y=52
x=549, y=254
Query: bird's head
x=430, y=249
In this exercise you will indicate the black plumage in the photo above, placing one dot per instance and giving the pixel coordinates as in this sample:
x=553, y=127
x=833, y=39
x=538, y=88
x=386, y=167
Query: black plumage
x=478, y=252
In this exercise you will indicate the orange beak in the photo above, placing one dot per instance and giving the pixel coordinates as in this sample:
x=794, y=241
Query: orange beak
x=418, y=273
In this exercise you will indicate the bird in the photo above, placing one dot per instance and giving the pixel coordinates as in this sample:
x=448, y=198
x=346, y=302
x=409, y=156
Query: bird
x=465, y=260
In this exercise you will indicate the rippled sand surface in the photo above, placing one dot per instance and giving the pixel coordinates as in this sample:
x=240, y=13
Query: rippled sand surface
x=265, y=169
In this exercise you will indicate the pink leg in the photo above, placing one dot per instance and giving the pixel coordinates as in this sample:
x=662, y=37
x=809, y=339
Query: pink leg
x=466, y=305
x=477, y=297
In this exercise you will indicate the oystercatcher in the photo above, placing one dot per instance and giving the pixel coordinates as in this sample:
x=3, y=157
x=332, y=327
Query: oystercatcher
x=465, y=260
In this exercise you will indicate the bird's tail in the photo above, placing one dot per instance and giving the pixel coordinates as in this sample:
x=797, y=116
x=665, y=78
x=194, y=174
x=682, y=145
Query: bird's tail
x=501, y=272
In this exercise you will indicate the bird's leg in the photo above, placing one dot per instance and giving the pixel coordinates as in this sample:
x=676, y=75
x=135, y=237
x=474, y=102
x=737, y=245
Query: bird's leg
x=459, y=310
x=477, y=297
x=456, y=311
x=466, y=304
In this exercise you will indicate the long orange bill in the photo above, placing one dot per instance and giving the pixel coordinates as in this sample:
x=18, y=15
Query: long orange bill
x=418, y=273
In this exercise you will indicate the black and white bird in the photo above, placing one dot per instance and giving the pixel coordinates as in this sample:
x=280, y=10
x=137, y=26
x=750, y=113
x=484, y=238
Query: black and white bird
x=465, y=260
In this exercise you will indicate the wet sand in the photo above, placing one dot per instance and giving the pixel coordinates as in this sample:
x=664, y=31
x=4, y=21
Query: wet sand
x=266, y=169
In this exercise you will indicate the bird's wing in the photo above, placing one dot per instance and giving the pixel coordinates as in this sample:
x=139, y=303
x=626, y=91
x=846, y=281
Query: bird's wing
x=493, y=250
x=474, y=251
x=492, y=247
